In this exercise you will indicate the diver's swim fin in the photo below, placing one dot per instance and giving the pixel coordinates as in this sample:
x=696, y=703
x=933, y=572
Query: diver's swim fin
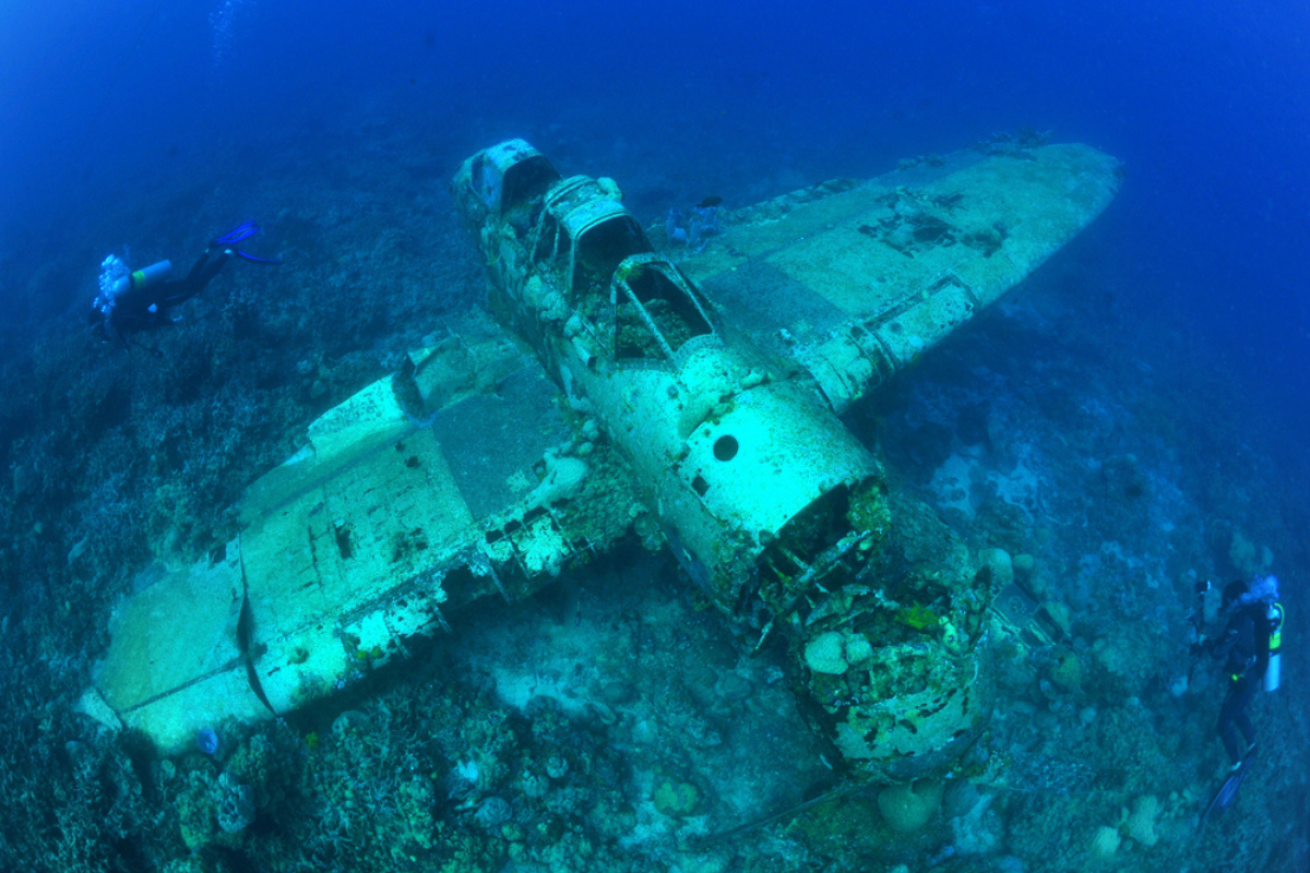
x=258, y=260
x=237, y=234
x=1227, y=792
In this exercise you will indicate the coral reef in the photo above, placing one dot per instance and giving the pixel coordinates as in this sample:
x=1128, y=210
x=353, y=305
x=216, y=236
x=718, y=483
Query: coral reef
x=610, y=724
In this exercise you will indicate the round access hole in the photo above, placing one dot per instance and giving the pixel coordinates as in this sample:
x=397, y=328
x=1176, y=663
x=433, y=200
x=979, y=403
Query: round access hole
x=725, y=448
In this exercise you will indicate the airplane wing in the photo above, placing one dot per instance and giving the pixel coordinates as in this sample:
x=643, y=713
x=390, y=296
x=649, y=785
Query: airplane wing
x=383, y=525
x=856, y=279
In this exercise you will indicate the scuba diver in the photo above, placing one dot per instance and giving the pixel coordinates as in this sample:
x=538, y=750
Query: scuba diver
x=1250, y=648
x=131, y=302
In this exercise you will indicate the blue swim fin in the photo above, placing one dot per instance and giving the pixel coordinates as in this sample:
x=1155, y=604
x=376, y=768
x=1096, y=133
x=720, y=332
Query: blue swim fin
x=258, y=260
x=1227, y=792
x=237, y=234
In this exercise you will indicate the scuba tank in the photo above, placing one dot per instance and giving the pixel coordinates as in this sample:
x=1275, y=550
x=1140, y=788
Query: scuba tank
x=1263, y=592
x=115, y=278
x=147, y=276
x=1274, y=615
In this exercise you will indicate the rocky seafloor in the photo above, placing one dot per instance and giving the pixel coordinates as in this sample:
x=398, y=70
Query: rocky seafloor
x=613, y=723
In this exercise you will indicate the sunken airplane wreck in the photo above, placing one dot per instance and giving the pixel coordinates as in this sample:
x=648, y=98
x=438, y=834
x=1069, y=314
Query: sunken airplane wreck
x=690, y=399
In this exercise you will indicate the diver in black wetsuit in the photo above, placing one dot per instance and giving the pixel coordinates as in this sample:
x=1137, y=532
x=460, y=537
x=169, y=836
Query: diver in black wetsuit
x=1244, y=647
x=131, y=302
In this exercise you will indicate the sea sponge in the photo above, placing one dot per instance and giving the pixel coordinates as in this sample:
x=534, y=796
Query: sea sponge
x=857, y=648
x=1142, y=820
x=1001, y=564
x=1105, y=842
x=824, y=654
x=1246, y=557
x=564, y=477
x=1067, y=670
x=236, y=804
x=908, y=807
x=676, y=798
x=952, y=640
x=1055, y=618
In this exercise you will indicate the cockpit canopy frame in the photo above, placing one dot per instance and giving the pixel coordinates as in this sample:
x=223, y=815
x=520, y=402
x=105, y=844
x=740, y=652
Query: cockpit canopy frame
x=653, y=310
x=509, y=177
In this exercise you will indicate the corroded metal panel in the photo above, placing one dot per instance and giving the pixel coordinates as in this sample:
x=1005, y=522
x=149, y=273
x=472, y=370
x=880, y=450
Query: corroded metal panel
x=174, y=664
x=369, y=535
x=905, y=263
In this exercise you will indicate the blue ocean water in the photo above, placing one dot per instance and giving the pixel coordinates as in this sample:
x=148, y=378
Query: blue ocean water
x=152, y=125
x=1205, y=104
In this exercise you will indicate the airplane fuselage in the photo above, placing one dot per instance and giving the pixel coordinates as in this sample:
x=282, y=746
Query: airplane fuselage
x=759, y=488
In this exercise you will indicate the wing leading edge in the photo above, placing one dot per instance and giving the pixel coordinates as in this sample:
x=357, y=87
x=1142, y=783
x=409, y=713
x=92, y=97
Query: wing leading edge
x=856, y=279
